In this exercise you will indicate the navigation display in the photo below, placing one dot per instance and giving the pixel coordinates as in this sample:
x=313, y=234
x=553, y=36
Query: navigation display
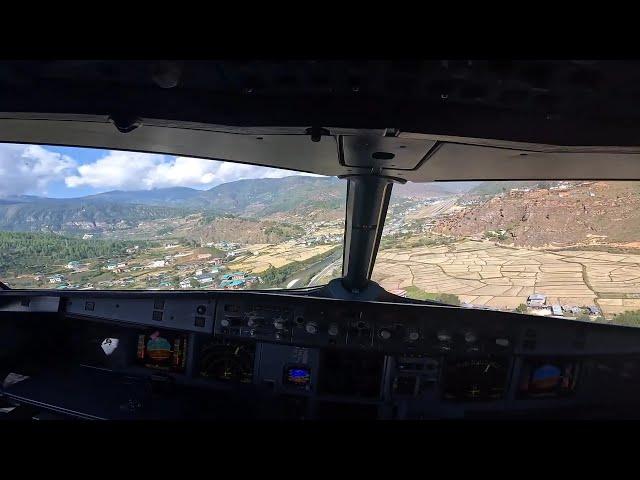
x=162, y=350
x=548, y=378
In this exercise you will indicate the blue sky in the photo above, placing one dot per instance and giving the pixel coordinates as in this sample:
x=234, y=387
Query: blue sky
x=82, y=156
x=71, y=172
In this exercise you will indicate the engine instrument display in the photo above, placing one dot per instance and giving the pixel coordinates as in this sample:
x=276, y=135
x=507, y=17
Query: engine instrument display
x=475, y=379
x=227, y=360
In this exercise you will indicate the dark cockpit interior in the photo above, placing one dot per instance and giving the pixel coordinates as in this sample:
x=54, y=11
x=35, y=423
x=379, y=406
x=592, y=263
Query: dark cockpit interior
x=350, y=348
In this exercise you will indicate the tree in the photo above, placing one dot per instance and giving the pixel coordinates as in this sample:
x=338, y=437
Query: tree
x=630, y=318
x=522, y=308
x=449, y=299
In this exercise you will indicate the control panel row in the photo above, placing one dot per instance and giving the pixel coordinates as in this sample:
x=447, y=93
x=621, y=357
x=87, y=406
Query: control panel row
x=314, y=324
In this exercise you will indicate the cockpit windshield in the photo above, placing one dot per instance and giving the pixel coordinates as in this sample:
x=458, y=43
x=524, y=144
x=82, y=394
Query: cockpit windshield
x=567, y=249
x=84, y=219
x=79, y=218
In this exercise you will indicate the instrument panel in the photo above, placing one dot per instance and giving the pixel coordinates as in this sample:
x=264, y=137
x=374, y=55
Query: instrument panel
x=373, y=326
x=322, y=356
x=412, y=328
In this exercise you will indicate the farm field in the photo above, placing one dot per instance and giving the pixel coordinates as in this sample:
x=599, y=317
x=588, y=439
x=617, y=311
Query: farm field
x=484, y=273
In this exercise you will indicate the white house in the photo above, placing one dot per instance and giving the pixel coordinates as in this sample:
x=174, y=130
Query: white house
x=537, y=300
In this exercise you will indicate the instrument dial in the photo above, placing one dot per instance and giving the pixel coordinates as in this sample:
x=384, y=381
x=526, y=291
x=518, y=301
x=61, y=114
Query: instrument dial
x=413, y=336
x=444, y=336
x=311, y=328
x=278, y=323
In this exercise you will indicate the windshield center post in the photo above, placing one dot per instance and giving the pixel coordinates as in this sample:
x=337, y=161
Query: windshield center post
x=367, y=201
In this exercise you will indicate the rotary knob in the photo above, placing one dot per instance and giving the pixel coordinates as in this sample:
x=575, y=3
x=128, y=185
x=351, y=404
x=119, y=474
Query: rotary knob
x=444, y=337
x=251, y=322
x=385, y=334
x=470, y=337
x=224, y=322
x=414, y=336
x=333, y=330
x=278, y=324
x=311, y=328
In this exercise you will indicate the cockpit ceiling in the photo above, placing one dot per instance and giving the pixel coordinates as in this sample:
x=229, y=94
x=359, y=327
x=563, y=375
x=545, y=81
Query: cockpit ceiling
x=402, y=155
x=558, y=102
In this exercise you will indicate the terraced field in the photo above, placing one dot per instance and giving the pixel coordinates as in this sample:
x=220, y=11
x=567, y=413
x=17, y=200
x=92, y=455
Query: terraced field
x=259, y=258
x=483, y=273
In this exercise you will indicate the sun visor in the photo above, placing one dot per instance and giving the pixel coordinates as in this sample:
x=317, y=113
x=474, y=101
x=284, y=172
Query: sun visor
x=288, y=151
x=335, y=152
x=452, y=161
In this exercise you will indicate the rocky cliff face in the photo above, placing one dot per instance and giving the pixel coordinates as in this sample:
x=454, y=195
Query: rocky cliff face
x=583, y=212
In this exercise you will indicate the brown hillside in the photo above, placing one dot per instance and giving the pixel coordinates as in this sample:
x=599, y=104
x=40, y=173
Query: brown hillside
x=588, y=212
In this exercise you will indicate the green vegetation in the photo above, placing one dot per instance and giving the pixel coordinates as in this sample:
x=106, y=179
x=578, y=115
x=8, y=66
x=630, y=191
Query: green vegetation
x=605, y=248
x=262, y=197
x=33, y=251
x=284, y=230
x=165, y=230
x=522, y=308
x=629, y=318
x=501, y=236
x=418, y=294
x=209, y=217
x=413, y=241
x=215, y=252
x=64, y=215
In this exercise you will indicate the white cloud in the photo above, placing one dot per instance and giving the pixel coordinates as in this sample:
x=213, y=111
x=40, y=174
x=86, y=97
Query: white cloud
x=133, y=171
x=30, y=169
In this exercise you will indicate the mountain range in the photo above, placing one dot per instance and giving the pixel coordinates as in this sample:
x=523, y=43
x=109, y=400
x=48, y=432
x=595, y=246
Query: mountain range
x=272, y=209
x=278, y=198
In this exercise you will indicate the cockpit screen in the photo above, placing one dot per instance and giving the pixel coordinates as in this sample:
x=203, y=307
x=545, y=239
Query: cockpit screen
x=162, y=350
x=297, y=376
x=475, y=379
x=547, y=378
